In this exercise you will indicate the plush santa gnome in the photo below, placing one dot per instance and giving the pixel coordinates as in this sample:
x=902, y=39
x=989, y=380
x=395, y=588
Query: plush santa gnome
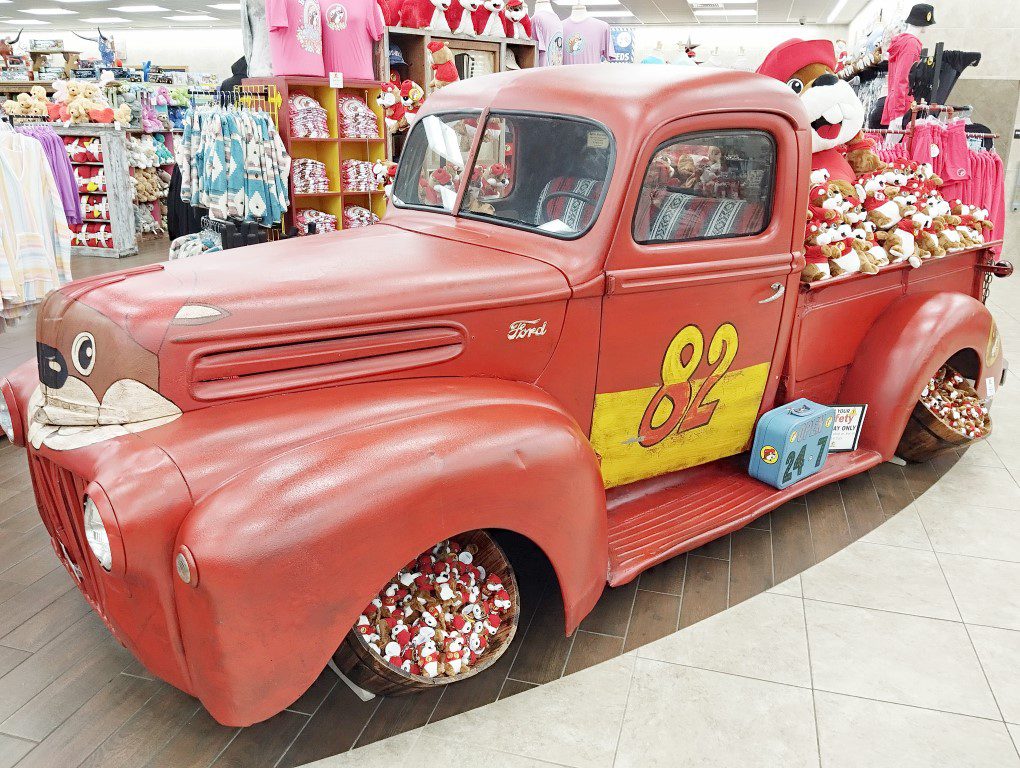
x=834, y=110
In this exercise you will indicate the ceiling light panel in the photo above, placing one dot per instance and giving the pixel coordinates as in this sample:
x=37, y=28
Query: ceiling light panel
x=24, y=23
x=727, y=12
x=139, y=8
x=611, y=14
x=48, y=11
x=226, y=6
x=186, y=17
x=107, y=20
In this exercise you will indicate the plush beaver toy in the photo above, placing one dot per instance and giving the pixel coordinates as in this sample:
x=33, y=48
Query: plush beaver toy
x=835, y=111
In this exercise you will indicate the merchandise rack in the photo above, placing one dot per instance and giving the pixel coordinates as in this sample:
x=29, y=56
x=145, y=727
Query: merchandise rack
x=118, y=189
x=333, y=150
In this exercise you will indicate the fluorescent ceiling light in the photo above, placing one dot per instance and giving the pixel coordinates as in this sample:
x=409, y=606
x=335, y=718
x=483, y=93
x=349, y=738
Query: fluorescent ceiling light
x=726, y=12
x=226, y=6
x=48, y=11
x=836, y=10
x=71, y=2
x=190, y=18
x=140, y=8
x=588, y=3
x=107, y=20
x=611, y=14
x=24, y=22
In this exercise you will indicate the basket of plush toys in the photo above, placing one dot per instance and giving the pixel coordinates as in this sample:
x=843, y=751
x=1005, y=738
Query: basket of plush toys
x=895, y=214
x=949, y=414
x=444, y=617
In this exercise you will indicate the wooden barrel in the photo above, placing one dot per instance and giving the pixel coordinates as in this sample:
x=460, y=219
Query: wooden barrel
x=365, y=668
x=927, y=436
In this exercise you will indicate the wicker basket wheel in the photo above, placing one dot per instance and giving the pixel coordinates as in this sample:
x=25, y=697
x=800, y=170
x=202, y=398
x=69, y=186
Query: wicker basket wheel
x=365, y=668
x=927, y=436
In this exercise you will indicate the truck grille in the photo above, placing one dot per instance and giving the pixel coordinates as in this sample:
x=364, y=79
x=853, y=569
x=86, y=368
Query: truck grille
x=59, y=494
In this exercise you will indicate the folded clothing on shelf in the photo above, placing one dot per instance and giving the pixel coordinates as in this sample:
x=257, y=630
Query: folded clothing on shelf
x=90, y=178
x=357, y=216
x=309, y=176
x=357, y=121
x=84, y=149
x=358, y=176
x=95, y=207
x=307, y=117
x=91, y=235
x=324, y=222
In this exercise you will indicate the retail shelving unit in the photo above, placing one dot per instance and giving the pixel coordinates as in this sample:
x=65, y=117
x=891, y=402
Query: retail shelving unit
x=159, y=203
x=118, y=190
x=331, y=151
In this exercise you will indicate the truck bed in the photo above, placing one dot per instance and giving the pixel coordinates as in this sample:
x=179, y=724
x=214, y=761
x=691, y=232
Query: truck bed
x=834, y=316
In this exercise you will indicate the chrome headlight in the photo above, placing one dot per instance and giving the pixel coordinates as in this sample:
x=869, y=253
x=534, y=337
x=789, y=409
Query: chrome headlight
x=96, y=535
x=6, y=422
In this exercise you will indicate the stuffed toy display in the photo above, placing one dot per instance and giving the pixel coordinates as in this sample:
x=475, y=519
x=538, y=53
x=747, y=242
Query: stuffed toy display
x=834, y=109
x=390, y=99
x=444, y=71
x=465, y=10
x=516, y=20
x=412, y=96
x=426, y=14
x=488, y=18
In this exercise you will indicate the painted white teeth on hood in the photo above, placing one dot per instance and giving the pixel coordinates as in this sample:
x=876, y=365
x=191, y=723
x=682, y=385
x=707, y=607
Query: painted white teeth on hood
x=833, y=114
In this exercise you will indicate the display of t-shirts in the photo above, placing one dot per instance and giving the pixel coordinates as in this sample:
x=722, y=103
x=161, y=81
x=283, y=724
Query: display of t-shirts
x=60, y=164
x=295, y=37
x=358, y=176
x=904, y=50
x=255, y=38
x=307, y=117
x=234, y=163
x=547, y=30
x=349, y=29
x=357, y=121
x=356, y=216
x=587, y=41
x=324, y=222
x=35, y=242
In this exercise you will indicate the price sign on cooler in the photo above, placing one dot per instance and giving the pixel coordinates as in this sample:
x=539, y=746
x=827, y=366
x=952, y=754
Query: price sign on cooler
x=846, y=428
x=791, y=442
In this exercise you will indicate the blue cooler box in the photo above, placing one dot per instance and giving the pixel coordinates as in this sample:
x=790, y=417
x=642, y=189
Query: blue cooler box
x=791, y=442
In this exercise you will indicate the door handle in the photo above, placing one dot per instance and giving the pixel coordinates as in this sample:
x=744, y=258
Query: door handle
x=778, y=289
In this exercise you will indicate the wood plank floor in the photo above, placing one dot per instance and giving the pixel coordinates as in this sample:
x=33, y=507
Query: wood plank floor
x=71, y=696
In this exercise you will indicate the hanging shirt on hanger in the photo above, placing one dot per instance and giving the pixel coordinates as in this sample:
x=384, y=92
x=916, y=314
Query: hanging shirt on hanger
x=904, y=50
x=350, y=28
x=587, y=41
x=547, y=29
x=295, y=37
x=255, y=38
x=35, y=242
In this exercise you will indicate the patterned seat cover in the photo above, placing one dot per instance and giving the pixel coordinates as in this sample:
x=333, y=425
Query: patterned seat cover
x=573, y=212
x=686, y=217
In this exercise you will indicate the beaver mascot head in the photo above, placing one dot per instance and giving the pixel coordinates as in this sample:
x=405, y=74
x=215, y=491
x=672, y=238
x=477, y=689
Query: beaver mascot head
x=834, y=110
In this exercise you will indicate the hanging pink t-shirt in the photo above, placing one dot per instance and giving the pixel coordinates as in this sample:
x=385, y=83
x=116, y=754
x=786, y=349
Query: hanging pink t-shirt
x=904, y=50
x=587, y=41
x=348, y=31
x=295, y=37
x=547, y=30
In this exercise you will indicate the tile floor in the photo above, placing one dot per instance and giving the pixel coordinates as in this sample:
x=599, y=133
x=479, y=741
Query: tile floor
x=900, y=646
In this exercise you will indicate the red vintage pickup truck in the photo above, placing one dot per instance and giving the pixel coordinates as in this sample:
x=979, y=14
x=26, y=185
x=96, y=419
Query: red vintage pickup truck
x=234, y=453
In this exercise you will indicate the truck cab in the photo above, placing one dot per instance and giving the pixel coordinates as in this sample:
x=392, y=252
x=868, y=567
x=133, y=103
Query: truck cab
x=549, y=333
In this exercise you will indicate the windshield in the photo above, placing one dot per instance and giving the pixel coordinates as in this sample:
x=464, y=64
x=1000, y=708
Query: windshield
x=544, y=173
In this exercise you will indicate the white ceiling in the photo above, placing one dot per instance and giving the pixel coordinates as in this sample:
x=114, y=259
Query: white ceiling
x=81, y=15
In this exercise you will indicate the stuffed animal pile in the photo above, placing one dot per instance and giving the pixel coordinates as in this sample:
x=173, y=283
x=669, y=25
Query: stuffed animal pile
x=477, y=18
x=74, y=102
x=150, y=184
x=891, y=215
x=141, y=152
x=954, y=402
x=34, y=104
x=444, y=71
x=439, y=614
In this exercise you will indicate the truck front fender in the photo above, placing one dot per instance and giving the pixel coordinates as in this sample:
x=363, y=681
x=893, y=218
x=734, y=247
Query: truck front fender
x=289, y=552
x=906, y=345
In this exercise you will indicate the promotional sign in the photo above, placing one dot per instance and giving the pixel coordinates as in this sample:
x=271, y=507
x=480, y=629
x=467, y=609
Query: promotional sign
x=623, y=43
x=846, y=429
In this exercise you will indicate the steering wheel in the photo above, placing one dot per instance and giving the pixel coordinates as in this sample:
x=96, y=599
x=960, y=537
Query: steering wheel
x=576, y=195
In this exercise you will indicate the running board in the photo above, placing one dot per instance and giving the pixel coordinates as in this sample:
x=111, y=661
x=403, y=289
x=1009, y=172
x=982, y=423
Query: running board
x=656, y=519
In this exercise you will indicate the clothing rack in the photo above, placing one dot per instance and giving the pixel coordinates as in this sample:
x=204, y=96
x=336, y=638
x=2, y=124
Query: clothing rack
x=935, y=109
x=235, y=233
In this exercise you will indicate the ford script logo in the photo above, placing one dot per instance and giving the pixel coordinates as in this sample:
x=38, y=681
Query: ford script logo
x=525, y=329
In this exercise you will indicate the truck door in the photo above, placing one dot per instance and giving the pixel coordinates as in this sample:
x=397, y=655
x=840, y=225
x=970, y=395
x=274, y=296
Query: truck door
x=701, y=287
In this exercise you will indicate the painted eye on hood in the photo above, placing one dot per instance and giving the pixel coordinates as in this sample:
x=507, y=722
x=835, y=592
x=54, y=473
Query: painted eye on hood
x=83, y=353
x=796, y=85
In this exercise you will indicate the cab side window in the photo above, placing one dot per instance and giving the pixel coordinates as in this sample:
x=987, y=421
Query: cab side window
x=707, y=185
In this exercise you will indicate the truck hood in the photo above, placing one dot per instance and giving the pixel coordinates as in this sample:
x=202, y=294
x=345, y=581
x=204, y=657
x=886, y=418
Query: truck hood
x=132, y=350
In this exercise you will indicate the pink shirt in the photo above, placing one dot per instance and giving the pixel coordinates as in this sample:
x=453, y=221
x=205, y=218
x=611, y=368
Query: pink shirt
x=349, y=28
x=904, y=50
x=547, y=29
x=587, y=41
x=295, y=37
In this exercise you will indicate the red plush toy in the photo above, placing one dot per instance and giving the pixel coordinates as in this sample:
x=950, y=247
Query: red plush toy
x=516, y=21
x=444, y=71
x=835, y=111
x=488, y=19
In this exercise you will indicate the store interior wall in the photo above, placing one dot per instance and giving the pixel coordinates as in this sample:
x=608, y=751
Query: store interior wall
x=202, y=50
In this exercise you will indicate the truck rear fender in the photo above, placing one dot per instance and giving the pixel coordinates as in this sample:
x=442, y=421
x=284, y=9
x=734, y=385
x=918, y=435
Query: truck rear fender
x=905, y=346
x=289, y=552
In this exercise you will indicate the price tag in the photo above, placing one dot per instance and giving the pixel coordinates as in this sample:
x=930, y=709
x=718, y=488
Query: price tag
x=336, y=79
x=846, y=427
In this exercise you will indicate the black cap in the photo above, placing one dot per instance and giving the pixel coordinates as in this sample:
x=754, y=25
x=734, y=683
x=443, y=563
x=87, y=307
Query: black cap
x=921, y=15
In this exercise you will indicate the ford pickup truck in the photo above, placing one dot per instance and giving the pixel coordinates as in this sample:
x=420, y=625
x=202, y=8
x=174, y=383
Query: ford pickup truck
x=233, y=453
